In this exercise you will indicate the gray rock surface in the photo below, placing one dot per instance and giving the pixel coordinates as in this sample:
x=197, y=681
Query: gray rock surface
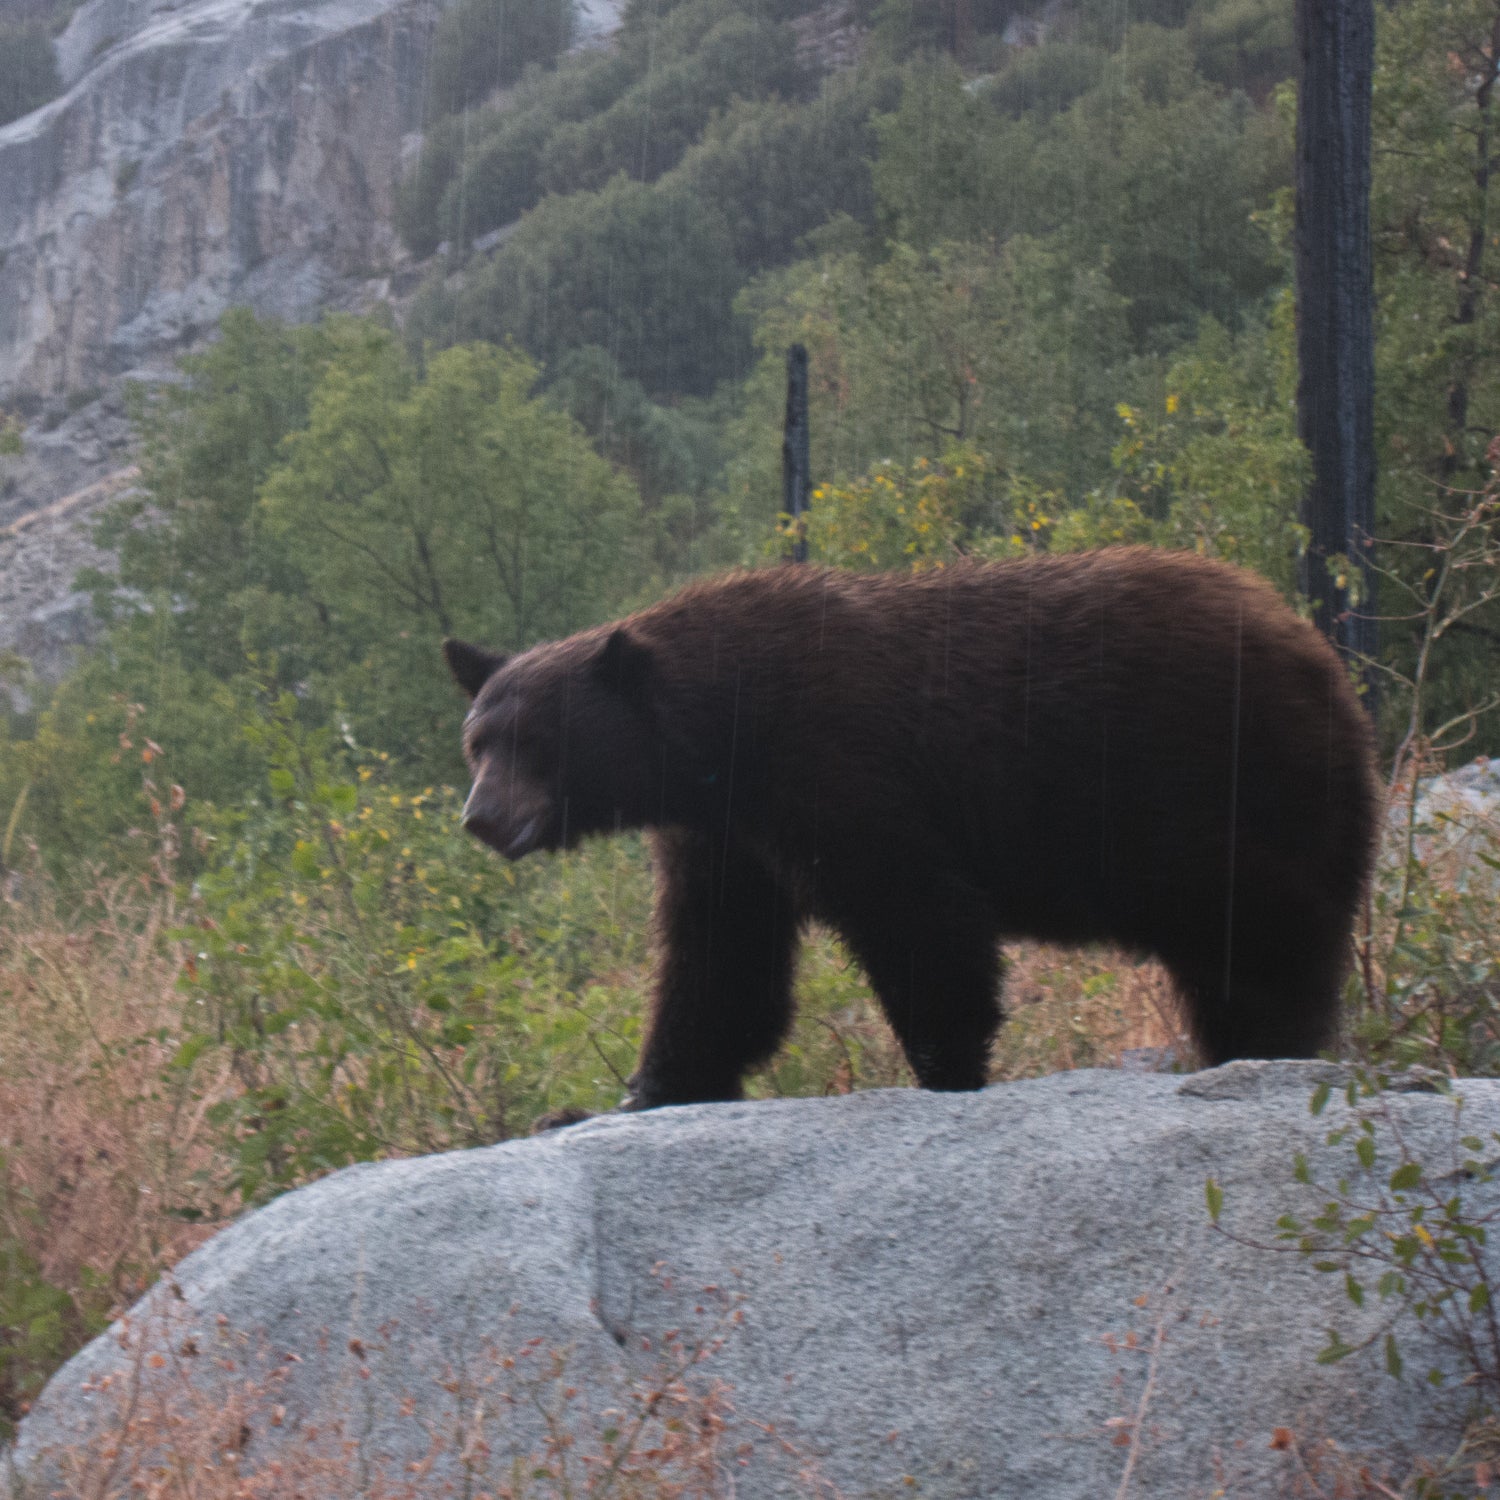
x=1011, y=1293
x=1456, y=825
x=44, y=620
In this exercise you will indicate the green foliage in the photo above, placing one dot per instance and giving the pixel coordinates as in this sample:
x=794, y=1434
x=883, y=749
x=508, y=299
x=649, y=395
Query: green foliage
x=1044, y=81
x=1214, y=467
x=647, y=129
x=1010, y=350
x=921, y=516
x=319, y=503
x=1429, y=991
x=775, y=172
x=1217, y=463
x=40, y=1326
x=28, y=69
x=377, y=984
x=633, y=109
x=648, y=273
x=1151, y=174
x=1399, y=1227
x=1438, y=332
x=668, y=450
x=192, y=544
x=71, y=786
x=482, y=45
x=450, y=502
x=482, y=169
x=1245, y=44
x=1397, y=1230
x=902, y=27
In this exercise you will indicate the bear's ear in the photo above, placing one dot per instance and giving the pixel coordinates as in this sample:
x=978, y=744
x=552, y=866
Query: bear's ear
x=623, y=663
x=472, y=666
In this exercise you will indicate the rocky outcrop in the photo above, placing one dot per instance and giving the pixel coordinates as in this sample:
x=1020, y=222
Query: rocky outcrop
x=205, y=153
x=1010, y=1293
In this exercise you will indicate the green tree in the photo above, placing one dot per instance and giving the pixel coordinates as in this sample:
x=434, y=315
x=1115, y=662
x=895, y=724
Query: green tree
x=1437, y=353
x=193, y=551
x=774, y=172
x=1151, y=173
x=1214, y=462
x=1010, y=350
x=646, y=273
x=482, y=168
x=449, y=501
x=482, y=45
x=646, y=130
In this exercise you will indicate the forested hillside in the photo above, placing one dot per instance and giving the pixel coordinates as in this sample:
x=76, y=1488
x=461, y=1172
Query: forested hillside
x=1039, y=255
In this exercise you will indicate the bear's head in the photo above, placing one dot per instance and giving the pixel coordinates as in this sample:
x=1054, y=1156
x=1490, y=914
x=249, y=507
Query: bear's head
x=559, y=738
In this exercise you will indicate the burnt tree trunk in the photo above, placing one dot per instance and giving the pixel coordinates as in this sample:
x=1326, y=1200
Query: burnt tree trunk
x=796, y=452
x=1335, y=300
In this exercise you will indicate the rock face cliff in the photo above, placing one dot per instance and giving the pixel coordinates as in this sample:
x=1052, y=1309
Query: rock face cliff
x=1016, y=1292
x=205, y=153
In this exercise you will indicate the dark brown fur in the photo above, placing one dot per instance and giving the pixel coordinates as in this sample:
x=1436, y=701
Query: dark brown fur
x=1139, y=747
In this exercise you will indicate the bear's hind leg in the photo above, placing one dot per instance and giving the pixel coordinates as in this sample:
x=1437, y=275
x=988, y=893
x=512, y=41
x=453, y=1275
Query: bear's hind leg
x=726, y=936
x=1282, y=1013
x=937, y=979
x=1267, y=985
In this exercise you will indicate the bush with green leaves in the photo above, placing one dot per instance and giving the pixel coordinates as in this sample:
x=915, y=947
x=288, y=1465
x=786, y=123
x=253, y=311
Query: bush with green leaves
x=482, y=45
x=1043, y=81
x=1402, y=1230
x=198, y=571
x=670, y=451
x=481, y=169
x=1154, y=177
x=647, y=272
x=40, y=1326
x=442, y=501
x=326, y=506
x=634, y=108
x=1214, y=459
x=379, y=984
x=776, y=172
x=71, y=782
x=1015, y=350
x=647, y=129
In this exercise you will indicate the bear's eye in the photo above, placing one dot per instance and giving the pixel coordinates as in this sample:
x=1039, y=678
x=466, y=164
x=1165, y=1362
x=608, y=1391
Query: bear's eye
x=490, y=724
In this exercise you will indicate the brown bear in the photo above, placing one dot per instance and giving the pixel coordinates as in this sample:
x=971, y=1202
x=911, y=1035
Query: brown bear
x=1139, y=747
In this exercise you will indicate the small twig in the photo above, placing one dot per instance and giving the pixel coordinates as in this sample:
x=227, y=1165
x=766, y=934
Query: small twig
x=1139, y=1423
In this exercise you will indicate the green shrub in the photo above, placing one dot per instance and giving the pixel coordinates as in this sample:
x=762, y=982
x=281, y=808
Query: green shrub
x=481, y=45
x=1043, y=81
x=775, y=172
x=649, y=127
x=497, y=181
x=482, y=169
x=379, y=985
x=667, y=450
x=648, y=273
x=40, y=1326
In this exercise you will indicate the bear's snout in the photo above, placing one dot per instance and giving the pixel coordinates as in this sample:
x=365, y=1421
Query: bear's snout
x=513, y=827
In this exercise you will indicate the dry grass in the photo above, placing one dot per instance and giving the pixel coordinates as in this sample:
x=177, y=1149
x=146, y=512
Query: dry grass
x=105, y=1160
x=200, y=1411
x=1086, y=1008
x=110, y=1170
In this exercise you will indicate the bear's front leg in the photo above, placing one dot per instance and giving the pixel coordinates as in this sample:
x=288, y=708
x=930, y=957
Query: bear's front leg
x=930, y=953
x=726, y=937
